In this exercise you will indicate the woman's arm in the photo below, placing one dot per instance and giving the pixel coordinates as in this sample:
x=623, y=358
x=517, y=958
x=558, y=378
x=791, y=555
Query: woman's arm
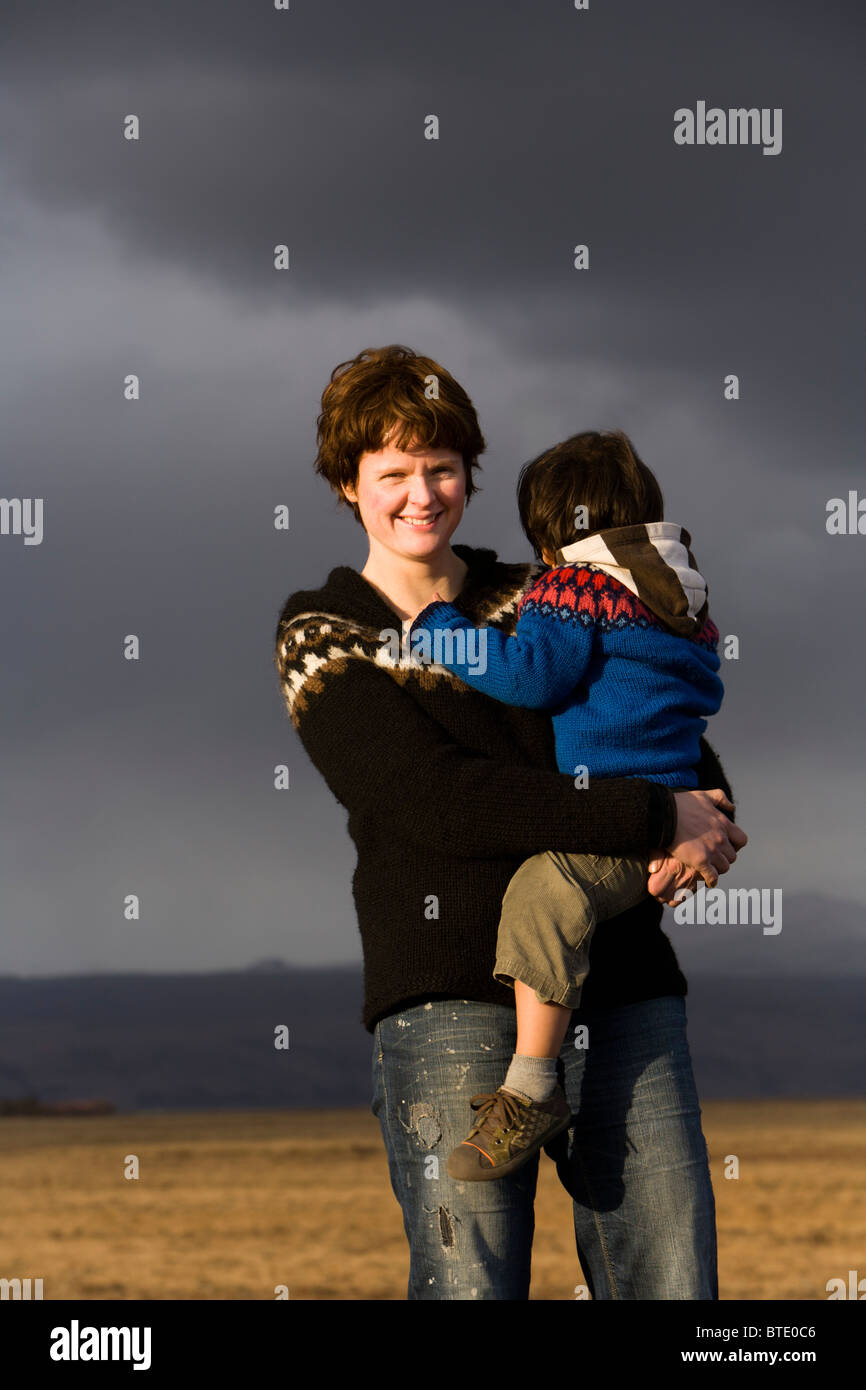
x=380, y=754
x=710, y=772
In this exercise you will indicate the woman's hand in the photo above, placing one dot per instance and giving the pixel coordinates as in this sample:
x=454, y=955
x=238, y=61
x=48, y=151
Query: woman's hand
x=667, y=877
x=705, y=839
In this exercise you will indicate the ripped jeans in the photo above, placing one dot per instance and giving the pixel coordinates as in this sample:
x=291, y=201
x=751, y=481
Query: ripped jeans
x=635, y=1162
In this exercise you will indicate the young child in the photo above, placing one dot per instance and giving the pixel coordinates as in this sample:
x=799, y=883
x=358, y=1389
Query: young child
x=616, y=640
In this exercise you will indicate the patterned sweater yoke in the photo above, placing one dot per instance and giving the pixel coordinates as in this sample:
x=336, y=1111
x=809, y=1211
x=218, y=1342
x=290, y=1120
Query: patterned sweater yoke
x=313, y=644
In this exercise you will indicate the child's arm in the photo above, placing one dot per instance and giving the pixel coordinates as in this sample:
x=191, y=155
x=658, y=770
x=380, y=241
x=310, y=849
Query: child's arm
x=535, y=669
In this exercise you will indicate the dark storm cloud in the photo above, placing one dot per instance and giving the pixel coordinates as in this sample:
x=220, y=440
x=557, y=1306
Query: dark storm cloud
x=556, y=128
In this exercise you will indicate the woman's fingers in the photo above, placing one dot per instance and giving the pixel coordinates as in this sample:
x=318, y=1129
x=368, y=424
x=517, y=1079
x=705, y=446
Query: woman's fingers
x=737, y=836
x=705, y=839
x=726, y=853
x=662, y=880
x=706, y=843
x=667, y=877
x=664, y=890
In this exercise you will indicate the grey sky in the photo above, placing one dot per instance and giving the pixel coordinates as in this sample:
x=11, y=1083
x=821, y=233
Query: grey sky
x=556, y=127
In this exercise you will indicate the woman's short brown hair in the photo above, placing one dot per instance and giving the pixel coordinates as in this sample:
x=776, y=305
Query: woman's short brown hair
x=598, y=470
x=381, y=397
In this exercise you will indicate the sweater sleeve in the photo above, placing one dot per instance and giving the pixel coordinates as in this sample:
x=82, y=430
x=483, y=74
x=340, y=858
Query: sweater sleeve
x=383, y=756
x=536, y=668
x=711, y=774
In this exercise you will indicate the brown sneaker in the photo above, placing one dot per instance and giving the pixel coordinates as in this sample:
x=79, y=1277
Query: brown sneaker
x=510, y=1128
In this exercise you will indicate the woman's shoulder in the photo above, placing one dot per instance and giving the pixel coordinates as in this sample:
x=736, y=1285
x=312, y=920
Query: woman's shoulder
x=338, y=612
x=319, y=632
x=328, y=598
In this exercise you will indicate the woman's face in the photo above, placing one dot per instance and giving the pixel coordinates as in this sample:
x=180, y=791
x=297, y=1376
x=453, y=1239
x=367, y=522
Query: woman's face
x=410, y=501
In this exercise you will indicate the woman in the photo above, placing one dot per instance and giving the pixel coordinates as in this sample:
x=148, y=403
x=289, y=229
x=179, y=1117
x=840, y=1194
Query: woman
x=448, y=791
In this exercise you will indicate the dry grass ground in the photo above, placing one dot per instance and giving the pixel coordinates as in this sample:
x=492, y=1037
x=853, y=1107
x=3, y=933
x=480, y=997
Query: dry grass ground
x=228, y=1205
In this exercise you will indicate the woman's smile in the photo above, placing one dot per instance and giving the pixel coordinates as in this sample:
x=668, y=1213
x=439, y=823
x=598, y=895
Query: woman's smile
x=421, y=523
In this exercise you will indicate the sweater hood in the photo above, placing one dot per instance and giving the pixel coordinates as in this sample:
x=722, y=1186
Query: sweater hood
x=655, y=562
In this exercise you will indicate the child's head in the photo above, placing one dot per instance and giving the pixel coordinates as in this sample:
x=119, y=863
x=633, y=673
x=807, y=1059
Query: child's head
x=591, y=482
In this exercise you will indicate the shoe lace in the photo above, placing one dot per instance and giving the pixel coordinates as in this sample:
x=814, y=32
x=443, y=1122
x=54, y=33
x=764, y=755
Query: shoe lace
x=495, y=1109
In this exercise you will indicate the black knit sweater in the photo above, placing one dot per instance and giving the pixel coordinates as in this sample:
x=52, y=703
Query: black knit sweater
x=448, y=791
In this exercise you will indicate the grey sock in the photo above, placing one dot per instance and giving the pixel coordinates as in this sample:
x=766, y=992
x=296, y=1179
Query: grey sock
x=534, y=1077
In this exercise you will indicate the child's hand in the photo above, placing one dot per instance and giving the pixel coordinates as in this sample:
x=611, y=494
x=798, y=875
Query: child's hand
x=427, y=604
x=667, y=877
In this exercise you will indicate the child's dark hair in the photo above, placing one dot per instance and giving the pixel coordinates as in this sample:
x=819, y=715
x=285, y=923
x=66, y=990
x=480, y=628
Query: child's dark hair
x=597, y=470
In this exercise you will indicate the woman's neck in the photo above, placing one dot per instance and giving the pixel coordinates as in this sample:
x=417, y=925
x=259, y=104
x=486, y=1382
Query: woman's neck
x=408, y=585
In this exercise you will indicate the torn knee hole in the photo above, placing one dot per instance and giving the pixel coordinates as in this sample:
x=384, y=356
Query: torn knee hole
x=424, y=1124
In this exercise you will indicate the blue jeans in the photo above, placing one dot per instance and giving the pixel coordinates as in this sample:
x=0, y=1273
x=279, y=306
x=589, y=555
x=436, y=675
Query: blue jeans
x=635, y=1162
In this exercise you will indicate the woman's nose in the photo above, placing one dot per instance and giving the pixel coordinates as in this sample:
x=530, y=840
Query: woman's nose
x=421, y=492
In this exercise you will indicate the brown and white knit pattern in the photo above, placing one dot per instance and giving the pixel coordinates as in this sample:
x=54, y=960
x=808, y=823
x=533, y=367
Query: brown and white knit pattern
x=315, y=646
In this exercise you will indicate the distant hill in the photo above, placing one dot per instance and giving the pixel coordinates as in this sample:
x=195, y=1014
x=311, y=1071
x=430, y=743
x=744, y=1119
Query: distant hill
x=186, y=1041
x=149, y=1041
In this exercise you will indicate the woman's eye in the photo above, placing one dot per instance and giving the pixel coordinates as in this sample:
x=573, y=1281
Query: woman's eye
x=441, y=468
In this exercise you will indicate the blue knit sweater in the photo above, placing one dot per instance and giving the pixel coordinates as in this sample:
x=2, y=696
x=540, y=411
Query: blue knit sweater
x=616, y=642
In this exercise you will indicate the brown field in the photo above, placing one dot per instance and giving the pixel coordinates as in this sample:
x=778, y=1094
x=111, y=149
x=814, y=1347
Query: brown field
x=228, y=1205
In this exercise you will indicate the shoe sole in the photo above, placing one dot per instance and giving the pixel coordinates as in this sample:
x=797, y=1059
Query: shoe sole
x=504, y=1169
